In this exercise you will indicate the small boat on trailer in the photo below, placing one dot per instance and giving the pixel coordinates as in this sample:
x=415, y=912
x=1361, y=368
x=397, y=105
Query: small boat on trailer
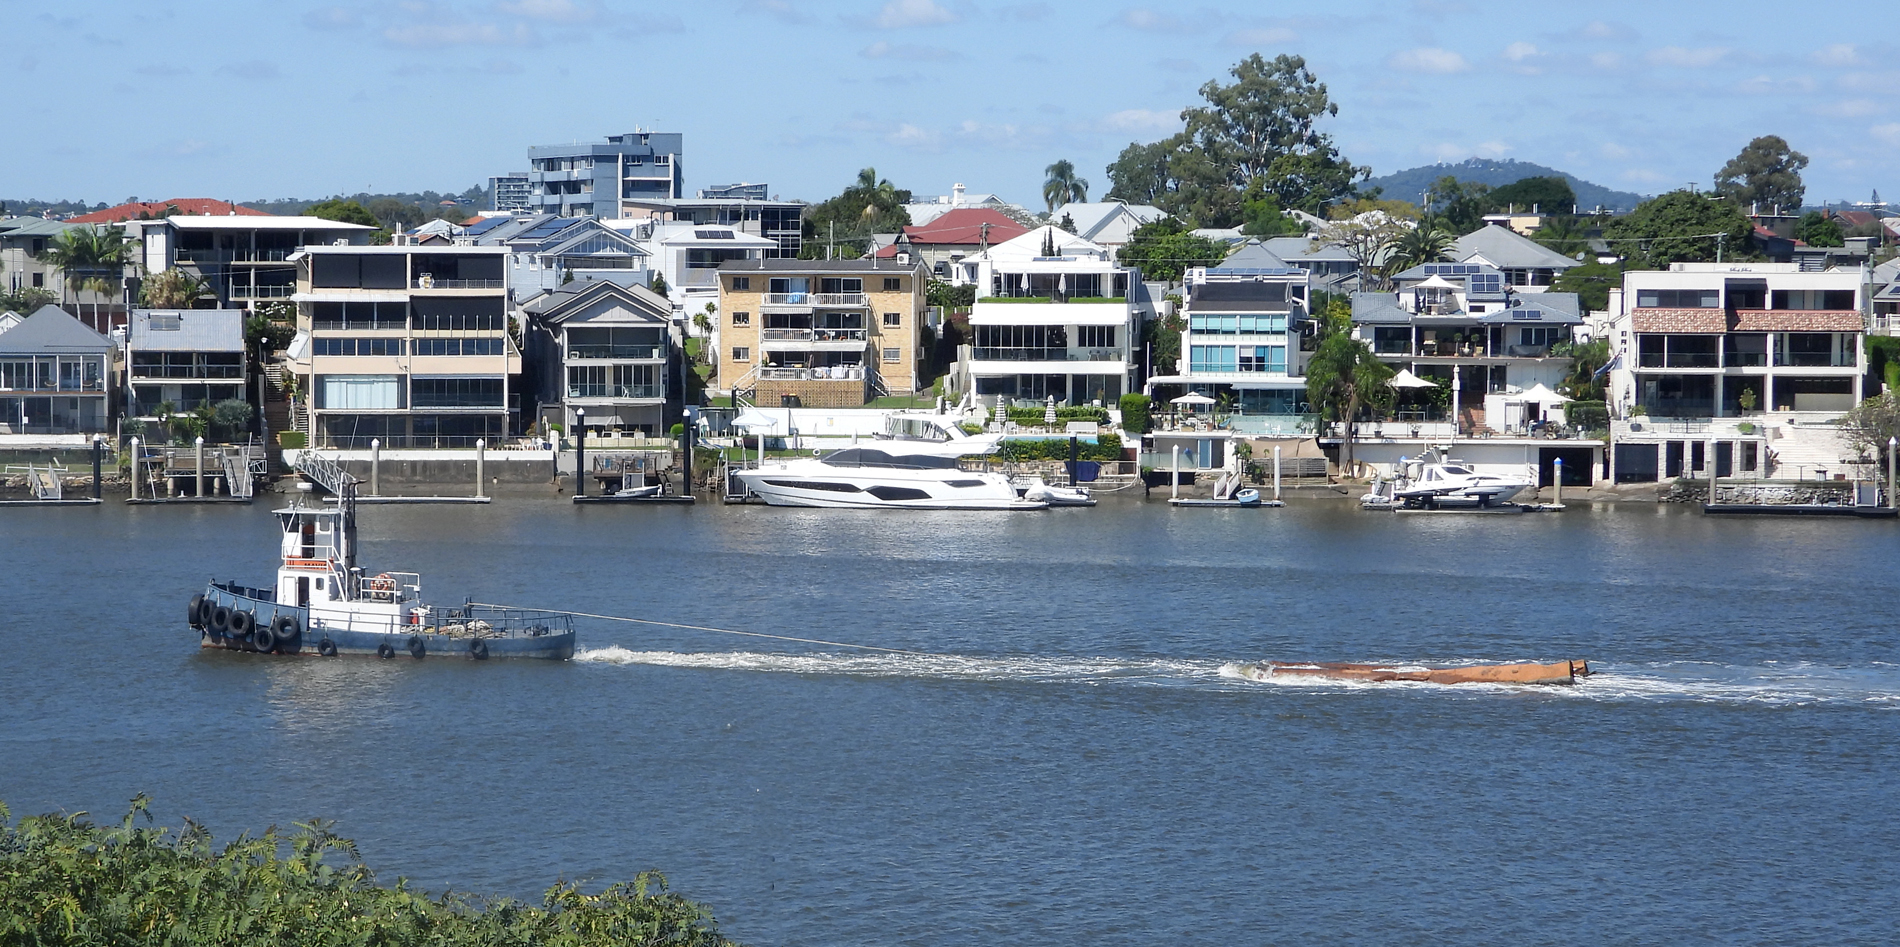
x=1561, y=672
x=324, y=604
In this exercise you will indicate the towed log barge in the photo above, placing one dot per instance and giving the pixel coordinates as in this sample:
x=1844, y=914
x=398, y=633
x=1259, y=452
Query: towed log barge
x=1561, y=672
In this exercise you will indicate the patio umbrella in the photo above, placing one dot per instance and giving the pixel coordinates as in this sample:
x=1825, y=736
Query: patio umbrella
x=1539, y=394
x=1405, y=379
x=1049, y=410
x=1193, y=398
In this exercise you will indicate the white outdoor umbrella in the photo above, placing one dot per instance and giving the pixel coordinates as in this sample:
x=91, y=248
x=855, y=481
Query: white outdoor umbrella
x=752, y=419
x=1541, y=395
x=1405, y=379
x=1193, y=398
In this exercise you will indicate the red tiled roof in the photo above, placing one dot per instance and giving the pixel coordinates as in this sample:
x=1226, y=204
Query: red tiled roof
x=187, y=207
x=1709, y=321
x=961, y=226
x=1796, y=320
x=1678, y=320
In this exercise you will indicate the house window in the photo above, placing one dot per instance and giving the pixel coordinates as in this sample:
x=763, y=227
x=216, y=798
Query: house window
x=1095, y=337
x=742, y=283
x=1679, y=298
x=39, y=279
x=741, y=318
x=893, y=320
x=893, y=284
x=894, y=355
x=741, y=353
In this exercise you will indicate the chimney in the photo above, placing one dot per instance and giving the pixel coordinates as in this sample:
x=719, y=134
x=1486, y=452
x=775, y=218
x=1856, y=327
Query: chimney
x=956, y=193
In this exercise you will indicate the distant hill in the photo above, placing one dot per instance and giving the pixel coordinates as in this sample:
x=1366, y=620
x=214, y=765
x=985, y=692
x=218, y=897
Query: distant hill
x=1407, y=185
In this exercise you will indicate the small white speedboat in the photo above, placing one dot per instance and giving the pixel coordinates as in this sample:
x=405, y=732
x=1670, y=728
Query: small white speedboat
x=1039, y=489
x=1452, y=484
x=634, y=493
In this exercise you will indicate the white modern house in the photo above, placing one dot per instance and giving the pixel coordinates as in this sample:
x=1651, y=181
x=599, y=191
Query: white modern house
x=602, y=348
x=1754, y=361
x=1242, y=342
x=688, y=255
x=1055, y=317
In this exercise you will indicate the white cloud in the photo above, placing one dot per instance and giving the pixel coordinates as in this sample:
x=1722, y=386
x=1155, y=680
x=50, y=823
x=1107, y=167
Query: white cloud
x=1839, y=54
x=1598, y=29
x=555, y=11
x=1520, y=51
x=1143, y=121
x=1611, y=149
x=1850, y=108
x=912, y=138
x=1150, y=21
x=902, y=13
x=1643, y=176
x=1458, y=151
x=1889, y=132
x=1685, y=58
x=1269, y=36
x=1606, y=60
x=1429, y=59
x=1491, y=149
x=908, y=53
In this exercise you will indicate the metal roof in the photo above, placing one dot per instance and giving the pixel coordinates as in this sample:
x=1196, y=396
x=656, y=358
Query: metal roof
x=196, y=330
x=49, y=331
x=1504, y=247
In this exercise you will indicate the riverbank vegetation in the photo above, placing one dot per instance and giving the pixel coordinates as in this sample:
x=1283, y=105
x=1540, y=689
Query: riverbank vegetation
x=67, y=881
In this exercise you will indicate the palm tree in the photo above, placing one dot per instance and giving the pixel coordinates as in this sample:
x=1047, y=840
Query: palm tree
x=89, y=257
x=1429, y=242
x=1342, y=376
x=1062, y=186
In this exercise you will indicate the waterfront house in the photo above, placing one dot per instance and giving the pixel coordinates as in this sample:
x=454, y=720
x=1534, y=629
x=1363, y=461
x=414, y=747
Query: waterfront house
x=24, y=239
x=741, y=207
x=1055, y=317
x=1464, y=327
x=602, y=348
x=819, y=333
x=183, y=357
x=54, y=376
x=1757, y=358
x=688, y=256
x=409, y=345
x=951, y=237
x=1334, y=269
x=243, y=258
x=1242, y=341
x=1108, y=224
x=1528, y=266
x=548, y=253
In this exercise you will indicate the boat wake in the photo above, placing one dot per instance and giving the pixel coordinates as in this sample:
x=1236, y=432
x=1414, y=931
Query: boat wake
x=1792, y=684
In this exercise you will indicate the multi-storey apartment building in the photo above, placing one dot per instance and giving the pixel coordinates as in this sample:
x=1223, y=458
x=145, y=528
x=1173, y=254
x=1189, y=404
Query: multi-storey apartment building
x=1054, y=317
x=781, y=222
x=245, y=259
x=830, y=333
x=1717, y=339
x=599, y=177
x=409, y=345
x=508, y=193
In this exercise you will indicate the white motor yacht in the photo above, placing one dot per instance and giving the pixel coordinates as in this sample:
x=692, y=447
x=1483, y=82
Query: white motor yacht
x=868, y=478
x=934, y=435
x=1455, y=484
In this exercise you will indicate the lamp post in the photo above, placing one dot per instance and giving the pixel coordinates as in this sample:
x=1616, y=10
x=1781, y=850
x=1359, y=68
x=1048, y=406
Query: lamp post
x=1892, y=503
x=580, y=452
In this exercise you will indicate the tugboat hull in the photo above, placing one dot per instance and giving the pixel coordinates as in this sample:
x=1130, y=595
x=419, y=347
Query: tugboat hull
x=267, y=627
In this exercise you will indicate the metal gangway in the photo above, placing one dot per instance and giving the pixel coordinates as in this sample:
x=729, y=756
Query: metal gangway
x=324, y=471
x=45, y=481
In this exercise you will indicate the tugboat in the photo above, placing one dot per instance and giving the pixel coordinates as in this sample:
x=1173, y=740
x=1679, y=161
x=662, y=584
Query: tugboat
x=325, y=604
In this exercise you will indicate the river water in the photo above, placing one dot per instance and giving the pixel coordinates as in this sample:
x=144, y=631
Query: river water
x=1072, y=761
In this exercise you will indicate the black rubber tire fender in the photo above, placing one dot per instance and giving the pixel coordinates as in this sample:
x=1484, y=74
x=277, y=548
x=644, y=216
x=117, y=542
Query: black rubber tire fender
x=241, y=624
x=416, y=648
x=385, y=650
x=478, y=649
x=220, y=623
x=289, y=634
x=195, y=611
x=327, y=648
x=264, y=640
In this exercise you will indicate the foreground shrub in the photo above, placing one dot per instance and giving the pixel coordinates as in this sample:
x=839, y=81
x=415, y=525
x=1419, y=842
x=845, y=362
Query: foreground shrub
x=65, y=881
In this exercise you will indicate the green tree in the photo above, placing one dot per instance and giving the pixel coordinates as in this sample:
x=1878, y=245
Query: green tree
x=842, y=226
x=1062, y=185
x=1678, y=227
x=1767, y=172
x=265, y=334
x=1163, y=339
x=173, y=288
x=942, y=294
x=1461, y=205
x=1134, y=413
x=1263, y=126
x=343, y=211
x=1591, y=282
x=1584, y=382
x=1367, y=230
x=1344, y=376
x=26, y=299
x=1818, y=230
x=1429, y=242
x=89, y=255
x=658, y=284
x=1140, y=173
x=1868, y=426
x=1548, y=194
x=1565, y=234
x=1164, y=249
x=1261, y=215
x=392, y=214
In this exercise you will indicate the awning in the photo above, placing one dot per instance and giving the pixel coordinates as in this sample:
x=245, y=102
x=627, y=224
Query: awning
x=1538, y=394
x=1405, y=379
x=752, y=419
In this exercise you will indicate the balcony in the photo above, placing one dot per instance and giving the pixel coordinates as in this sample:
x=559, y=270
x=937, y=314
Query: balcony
x=198, y=255
x=617, y=391
x=820, y=373
x=812, y=335
x=1786, y=359
x=1679, y=360
x=1018, y=354
x=815, y=299
x=616, y=351
x=281, y=291
x=429, y=282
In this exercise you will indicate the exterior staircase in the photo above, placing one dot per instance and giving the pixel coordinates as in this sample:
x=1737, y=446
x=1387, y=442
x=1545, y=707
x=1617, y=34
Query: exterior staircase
x=1471, y=419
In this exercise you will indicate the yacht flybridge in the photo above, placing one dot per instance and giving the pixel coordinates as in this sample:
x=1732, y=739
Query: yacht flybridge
x=323, y=603
x=868, y=478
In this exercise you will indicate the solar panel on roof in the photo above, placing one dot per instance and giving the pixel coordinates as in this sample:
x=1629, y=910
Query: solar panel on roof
x=713, y=234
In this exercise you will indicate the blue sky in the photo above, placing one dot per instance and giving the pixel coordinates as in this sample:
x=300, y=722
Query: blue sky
x=158, y=99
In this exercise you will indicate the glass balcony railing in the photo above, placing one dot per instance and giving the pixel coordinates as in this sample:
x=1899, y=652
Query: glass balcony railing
x=616, y=351
x=616, y=391
x=1048, y=354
